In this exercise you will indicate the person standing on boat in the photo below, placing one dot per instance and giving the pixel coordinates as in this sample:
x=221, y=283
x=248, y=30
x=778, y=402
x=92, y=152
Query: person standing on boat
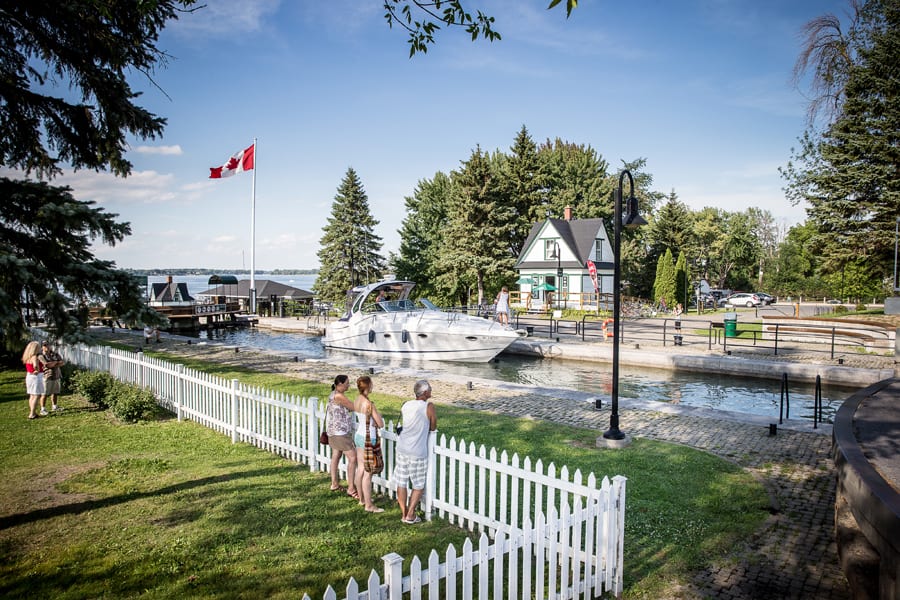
x=419, y=420
x=502, y=306
x=340, y=428
x=365, y=410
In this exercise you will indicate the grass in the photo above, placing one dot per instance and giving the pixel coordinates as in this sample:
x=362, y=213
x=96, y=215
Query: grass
x=94, y=508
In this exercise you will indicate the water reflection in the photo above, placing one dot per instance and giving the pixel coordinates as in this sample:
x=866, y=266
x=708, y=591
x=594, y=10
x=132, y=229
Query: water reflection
x=724, y=392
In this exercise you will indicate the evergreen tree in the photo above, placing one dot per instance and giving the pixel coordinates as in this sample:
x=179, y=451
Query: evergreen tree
x=670, y=228
x=66, y=101
x=522, y=184
x=573, y=175
x=848, y=174
x=349, y=253
x=665, y=287
x=682, y=281
x=422, y=235
x=473, y=253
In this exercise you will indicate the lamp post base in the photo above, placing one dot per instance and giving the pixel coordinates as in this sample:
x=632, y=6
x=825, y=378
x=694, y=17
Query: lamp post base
x=614, y=443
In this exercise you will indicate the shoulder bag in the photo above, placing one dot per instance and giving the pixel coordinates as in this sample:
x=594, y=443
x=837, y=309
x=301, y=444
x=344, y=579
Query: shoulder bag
x=373, y=461
x=323, y=437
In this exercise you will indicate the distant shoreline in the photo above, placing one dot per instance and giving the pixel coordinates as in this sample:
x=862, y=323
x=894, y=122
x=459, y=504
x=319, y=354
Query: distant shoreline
x=190, y=272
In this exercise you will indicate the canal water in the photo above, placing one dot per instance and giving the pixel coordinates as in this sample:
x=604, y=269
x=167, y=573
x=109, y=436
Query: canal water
x=723, y=392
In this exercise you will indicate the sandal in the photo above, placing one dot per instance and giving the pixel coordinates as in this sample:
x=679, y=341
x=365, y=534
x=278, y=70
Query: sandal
x=337, y=488
x=353, y=494
x=377, y=509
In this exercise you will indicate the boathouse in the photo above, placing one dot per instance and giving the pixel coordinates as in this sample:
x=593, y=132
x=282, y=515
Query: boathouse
x=172, y=300
x=272, y=297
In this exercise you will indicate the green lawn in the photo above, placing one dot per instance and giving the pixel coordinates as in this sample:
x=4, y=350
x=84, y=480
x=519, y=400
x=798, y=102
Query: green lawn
x=93, y=508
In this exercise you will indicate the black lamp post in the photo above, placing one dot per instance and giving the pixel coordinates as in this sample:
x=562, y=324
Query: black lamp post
x=630, y=219
x=559, y=273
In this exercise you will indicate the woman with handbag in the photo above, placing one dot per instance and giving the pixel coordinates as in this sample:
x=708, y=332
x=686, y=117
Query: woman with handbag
x=368, y=446
x=339, y=426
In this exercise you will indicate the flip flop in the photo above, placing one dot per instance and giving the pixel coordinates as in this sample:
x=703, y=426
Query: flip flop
x=353, y=494
x=413, y=521
x=337, y=488
x=377, y=509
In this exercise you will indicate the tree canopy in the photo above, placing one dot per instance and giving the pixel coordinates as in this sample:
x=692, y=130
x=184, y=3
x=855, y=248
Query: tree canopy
x=350, y=250
x=65, y=101
x=422, y=20
x=848, y=172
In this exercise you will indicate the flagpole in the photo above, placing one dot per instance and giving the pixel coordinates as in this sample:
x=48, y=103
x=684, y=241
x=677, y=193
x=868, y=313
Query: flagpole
x=253, y=232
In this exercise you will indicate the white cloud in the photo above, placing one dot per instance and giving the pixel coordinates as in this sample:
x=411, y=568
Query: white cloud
x=164, y=150
x=225, y=17
x=141, y=187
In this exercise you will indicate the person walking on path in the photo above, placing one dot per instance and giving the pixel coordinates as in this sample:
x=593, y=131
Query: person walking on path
x=502, y=306
x=365, y=411
x=52, y=375
x=34, y=378
x=419, y=419
x=339, y=426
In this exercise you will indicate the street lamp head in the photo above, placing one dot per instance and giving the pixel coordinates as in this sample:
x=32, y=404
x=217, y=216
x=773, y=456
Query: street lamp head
x=631, y=218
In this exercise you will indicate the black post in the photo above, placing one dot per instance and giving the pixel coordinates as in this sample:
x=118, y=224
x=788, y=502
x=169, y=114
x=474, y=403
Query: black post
x=614, y=433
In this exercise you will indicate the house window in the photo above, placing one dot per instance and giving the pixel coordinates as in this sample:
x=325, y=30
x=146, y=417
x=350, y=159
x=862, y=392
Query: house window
x=598, y=249
x=550, y=249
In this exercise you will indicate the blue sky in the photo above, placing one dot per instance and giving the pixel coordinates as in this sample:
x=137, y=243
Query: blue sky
x=700, y=88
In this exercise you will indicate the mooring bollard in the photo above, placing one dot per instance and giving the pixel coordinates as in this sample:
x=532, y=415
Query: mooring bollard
x=773, y=428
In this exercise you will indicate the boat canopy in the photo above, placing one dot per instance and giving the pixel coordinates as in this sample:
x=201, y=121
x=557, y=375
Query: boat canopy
x=222, y=280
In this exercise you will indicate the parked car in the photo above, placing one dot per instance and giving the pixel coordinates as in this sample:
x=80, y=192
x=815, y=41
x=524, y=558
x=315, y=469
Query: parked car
x=765, y=298
x=741, y=299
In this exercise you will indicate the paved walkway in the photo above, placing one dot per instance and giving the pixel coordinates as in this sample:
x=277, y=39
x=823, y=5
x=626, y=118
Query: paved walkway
x=793, y=555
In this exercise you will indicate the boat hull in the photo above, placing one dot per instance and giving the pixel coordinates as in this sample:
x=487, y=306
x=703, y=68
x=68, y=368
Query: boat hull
x=424, y=335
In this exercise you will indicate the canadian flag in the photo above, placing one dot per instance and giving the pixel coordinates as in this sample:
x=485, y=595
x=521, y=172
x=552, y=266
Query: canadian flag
x=242, y=161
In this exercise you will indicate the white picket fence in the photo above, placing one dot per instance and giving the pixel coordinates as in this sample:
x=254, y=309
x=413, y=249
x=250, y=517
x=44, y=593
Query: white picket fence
x=554, y=535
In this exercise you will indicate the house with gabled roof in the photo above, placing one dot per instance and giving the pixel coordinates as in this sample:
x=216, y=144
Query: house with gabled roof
x=553, y=265
x=170, y=293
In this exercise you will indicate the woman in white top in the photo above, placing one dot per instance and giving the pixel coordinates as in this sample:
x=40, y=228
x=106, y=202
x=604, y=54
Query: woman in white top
x=365, y=408
x=340, y=426
x=502, y=308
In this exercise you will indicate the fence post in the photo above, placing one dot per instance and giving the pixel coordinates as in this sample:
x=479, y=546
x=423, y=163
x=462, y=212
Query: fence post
x=832, y=343
x=179, y=390
x=393, y=575
x=140, y=366
x=234, y=411
x=312, y=434
x=430, y=476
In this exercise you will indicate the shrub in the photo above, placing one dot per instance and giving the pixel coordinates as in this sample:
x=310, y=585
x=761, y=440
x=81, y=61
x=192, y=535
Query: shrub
x=840, y=309
x=131, y=404
x=861, y=308
x=92, y=386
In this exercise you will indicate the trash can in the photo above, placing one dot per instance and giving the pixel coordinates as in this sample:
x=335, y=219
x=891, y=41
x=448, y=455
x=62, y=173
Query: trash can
x=730, y=321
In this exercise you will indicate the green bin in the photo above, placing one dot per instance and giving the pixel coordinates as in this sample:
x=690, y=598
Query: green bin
x=730, y=320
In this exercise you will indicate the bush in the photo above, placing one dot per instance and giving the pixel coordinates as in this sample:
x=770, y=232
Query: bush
x=92, y=386
x=861, y=308
x=131, y=404
x=840, y=309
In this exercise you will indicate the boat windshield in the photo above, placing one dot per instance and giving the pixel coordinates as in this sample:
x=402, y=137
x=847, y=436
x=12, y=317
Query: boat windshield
x=428, y=304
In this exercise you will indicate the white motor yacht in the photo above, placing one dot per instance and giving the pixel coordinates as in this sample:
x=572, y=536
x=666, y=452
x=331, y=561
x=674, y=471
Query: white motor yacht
x=383, y=320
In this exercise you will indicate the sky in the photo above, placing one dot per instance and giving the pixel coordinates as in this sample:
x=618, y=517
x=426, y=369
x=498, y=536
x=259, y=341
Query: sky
x=702, y=89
